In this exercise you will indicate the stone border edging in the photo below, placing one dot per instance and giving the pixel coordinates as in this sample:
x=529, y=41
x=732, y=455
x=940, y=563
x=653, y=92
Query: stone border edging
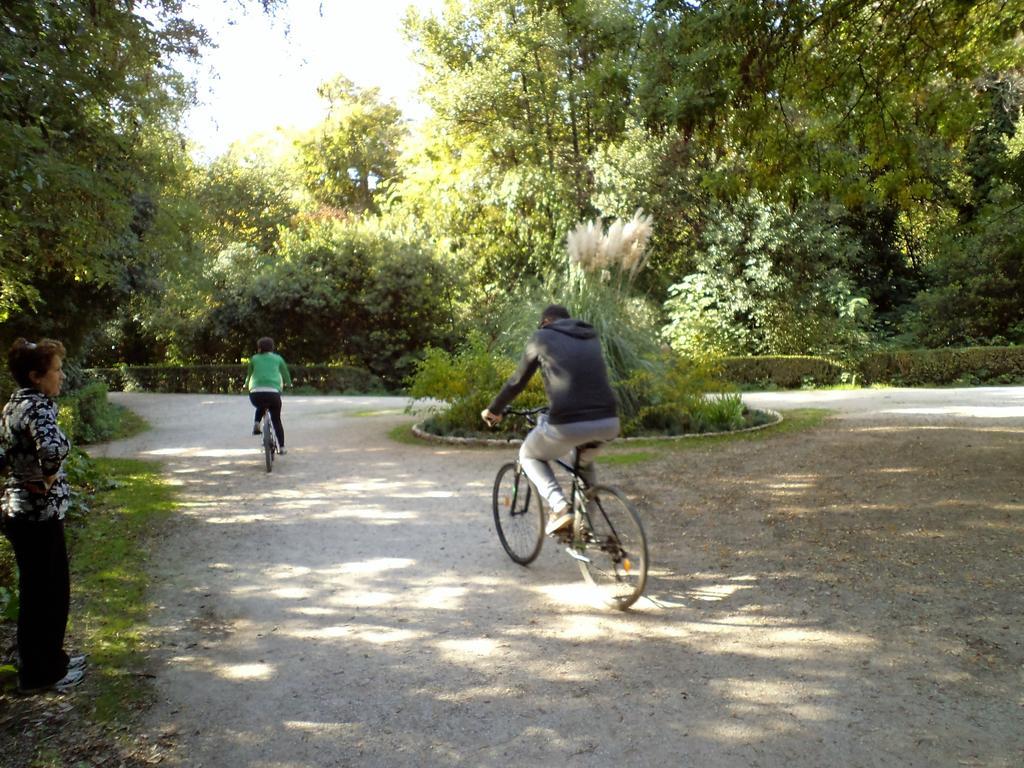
x=498, y=442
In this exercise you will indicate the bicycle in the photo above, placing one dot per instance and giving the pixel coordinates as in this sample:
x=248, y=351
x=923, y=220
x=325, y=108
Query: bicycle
x=269, y=437
x=606, y=539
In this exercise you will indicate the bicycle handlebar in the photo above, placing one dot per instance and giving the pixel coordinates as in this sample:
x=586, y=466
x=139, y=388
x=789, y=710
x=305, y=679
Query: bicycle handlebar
x=525, y=411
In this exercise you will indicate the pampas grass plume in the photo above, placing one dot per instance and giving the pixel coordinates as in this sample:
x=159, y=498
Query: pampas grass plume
x=623, y=246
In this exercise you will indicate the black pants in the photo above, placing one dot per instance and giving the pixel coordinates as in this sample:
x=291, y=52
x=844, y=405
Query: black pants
x=44, y=594
x=271, y=401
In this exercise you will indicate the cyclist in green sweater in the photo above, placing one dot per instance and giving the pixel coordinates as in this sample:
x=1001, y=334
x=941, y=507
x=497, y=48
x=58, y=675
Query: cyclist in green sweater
x=268, y=375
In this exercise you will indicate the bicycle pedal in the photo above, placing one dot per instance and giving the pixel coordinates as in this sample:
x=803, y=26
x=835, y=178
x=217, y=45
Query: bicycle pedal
x=577, y=555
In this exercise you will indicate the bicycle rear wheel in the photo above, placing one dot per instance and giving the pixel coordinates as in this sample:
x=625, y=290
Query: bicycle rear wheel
x=268, y=443
x=518, y=514
x=613, y=547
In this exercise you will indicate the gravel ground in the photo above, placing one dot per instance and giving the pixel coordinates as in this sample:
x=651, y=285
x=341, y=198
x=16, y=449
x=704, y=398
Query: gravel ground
x=845, y=596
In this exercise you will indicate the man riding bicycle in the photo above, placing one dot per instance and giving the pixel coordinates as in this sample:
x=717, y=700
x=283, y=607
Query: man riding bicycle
x=582, y=407
x=267, y=376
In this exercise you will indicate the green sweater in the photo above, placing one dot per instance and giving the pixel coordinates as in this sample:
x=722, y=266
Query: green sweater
x=267, y=370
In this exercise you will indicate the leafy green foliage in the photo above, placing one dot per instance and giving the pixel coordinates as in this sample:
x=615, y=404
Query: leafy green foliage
x=672, y=399
x=92, y=163
x=85, y=110
x=110, y=551
x=523, y=94
x=346, y=160
x=769, y=281
x=931, y=367
x=337, y=291
x=808, y=150
x=86, y=416
x=244, y=201
x=783, y=371
x=466, y=381
x=825, y=176
x=976, y=291
x=8, y=602
x=669, y=395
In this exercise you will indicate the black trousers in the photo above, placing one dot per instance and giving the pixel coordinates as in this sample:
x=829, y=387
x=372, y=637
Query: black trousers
x=269, y=401
x=44, y=594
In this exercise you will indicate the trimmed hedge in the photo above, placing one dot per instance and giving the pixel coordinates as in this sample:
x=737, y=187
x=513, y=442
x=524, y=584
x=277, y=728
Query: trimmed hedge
x=85, y=415
x=929, y=367
x=783, y=371
x=909, y=368
x=220, y=379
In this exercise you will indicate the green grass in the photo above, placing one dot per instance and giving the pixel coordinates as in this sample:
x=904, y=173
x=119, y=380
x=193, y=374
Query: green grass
x=109, y=551
x=403, y=434
x=129, y=423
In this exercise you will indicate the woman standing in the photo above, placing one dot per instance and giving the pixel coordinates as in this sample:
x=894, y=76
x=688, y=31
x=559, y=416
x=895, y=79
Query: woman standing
x=32, y=509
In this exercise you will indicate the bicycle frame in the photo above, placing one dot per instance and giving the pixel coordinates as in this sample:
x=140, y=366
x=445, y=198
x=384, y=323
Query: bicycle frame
x=606, y=539
x=579, y=483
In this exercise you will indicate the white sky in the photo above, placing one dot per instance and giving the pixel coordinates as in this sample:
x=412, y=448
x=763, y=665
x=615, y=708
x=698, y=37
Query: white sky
x=265, y=70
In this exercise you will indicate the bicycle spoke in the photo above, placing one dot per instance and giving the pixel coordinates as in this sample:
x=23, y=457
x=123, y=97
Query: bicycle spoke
x=518, y=516
x=614, y=546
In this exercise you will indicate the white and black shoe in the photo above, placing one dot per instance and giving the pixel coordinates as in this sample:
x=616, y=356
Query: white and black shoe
x=72, y=678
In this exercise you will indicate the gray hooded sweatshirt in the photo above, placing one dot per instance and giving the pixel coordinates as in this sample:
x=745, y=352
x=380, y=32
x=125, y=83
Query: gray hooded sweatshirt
x=568, y=353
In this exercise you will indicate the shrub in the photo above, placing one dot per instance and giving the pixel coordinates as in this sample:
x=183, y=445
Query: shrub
x=782, y=371
x=722, y=413
x=908, y=367
x=336, y=378
x=670, y=393
x=173, y=378
x=673, y=401
x=86, y=416
x=466, y=382
x=348, y=290
x=922, y=367
x=770, y=280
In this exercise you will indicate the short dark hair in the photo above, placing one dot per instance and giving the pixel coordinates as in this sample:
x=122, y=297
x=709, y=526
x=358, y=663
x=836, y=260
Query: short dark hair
x=26, y=357
x=554, y=312
x=266, y=344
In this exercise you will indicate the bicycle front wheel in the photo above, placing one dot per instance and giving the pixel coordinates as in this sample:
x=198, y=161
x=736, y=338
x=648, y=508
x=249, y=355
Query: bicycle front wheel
x=612, y=547
x=268, y=444
x=518, y=514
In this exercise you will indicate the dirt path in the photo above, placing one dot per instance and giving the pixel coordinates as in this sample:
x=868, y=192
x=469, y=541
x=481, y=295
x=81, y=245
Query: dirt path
x=849, y=596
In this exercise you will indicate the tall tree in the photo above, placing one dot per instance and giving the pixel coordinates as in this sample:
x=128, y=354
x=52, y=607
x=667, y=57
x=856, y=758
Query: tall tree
x=523, y=94
x=346, y=160
x=89, y=113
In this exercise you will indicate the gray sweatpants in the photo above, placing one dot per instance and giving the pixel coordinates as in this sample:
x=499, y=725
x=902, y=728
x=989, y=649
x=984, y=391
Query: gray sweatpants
x=550, y=441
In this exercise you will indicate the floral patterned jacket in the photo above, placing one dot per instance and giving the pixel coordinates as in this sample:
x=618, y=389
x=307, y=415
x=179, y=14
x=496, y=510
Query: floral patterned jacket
x=33, y=448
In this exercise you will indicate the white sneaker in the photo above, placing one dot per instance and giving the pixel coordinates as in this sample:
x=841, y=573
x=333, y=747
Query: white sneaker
x=282, y=450
x=558, y=520
x=72, y=678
